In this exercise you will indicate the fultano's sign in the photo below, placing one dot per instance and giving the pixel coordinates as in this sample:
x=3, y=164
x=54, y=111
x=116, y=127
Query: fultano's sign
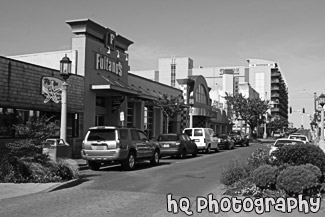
x=104, y=63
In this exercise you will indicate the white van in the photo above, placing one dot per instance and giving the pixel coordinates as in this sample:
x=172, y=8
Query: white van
x=204, y=138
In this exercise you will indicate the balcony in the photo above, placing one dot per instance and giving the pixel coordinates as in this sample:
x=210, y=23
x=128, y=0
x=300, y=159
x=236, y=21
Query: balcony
x=275, y=74
x=275, y=81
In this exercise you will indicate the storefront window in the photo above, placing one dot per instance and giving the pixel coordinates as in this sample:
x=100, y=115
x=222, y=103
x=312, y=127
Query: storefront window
x=148, y=120
x=7, y=119
x=201, y=95
x=130, y=115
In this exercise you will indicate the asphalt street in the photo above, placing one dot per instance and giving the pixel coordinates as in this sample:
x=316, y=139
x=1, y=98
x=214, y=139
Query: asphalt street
x=114, y=192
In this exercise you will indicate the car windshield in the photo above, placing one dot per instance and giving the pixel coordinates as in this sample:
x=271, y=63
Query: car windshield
x=298, y=137
x=101, y=134
x=281, y=143
x=167, y=138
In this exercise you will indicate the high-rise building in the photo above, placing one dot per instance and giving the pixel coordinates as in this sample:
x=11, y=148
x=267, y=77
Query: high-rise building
x=269, y=81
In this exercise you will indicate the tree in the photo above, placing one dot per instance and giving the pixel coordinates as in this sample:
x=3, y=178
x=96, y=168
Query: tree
x=249, y=110
x=278, y=124
x=170, y=106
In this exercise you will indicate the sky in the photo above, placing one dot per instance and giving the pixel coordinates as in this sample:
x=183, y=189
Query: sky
x=211, y=32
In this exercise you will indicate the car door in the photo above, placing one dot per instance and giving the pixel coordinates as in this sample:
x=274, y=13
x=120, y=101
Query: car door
x=138, y=143
x=147, y=145
x=188, y=142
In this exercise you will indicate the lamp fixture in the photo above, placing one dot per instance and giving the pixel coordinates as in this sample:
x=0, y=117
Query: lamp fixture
x=118, y=54
x=108, y=50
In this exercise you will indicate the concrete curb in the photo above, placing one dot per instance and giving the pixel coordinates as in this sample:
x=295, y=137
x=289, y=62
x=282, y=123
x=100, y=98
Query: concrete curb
x=67, y=184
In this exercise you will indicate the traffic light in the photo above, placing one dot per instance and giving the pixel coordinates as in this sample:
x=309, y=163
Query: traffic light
x=290, y=109
x=303, y=110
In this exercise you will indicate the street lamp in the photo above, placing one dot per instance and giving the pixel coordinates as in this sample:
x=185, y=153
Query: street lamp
x=191, y=102
x=65, y=72
x=321, y=101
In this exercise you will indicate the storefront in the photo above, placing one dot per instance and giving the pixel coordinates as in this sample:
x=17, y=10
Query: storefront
x=100, y=92
x=203, y=114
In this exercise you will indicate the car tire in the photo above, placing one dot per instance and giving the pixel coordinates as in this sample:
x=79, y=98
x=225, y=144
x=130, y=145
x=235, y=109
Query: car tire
x=129, y=163
x=208, y=150
x=195, y=152
x=228, y=146
x=93, y=165
x=155, y=160
x=183, y=154
x=247, y=143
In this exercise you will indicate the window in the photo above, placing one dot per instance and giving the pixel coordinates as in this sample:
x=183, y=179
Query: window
x=200, y=95
x=198, y=132
x=134, y=135
x=124, y=134
x=148, y=120
x=142, y=136
x=101, y=134
x=130, y=115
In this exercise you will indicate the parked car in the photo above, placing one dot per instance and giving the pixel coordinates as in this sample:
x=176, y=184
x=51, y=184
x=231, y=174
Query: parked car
x=179, y=144
x=282, y=142
x=226, y=142
x=110, y=144
x=299, y=136
x=204, y=138
x=239, y=137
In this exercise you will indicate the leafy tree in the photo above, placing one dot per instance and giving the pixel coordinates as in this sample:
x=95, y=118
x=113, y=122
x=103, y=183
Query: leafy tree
x=249, y=110
x=278, y=123
x=170, y=106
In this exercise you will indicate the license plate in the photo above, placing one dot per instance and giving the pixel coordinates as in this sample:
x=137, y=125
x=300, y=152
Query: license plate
x=99, y=148
x=166, y=145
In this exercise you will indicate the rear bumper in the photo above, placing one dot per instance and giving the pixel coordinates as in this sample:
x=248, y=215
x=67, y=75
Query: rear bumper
x=170, y=152
x=104, y=155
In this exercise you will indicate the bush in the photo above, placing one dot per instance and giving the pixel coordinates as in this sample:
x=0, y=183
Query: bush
x=300, y=154
x=66, y=169
x=257, y=158
x=13, y=170
x=234, y=172
x=298, y=180
x=265, y=176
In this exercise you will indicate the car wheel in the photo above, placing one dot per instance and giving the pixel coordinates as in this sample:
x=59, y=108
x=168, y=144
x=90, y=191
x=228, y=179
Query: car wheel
x=242, y=144
x=247, y=143
x=228, y=146
x=208, y=150
x=195, y=152
x=183, y=154
x=129, y=163
x=155, y=160
x=93, y=165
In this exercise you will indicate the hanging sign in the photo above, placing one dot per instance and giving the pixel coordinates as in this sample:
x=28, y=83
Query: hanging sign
x=51, y=89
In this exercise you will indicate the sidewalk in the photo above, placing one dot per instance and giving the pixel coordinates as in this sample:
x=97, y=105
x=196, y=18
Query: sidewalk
x=10, y=190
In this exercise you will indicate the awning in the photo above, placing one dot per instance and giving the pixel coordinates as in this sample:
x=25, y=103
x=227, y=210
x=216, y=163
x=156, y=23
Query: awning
x=116, y=85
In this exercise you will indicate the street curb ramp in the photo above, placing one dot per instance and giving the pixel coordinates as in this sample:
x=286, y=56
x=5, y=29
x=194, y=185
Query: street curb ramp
x=67, y=184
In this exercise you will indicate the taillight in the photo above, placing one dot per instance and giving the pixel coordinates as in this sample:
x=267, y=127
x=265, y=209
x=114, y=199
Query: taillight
x=118, y=144
x=83, y=144
x=178, y=143
x=205, y=140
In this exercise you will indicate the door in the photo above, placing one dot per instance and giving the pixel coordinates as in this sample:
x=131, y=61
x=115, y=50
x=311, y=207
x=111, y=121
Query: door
x=138, y=143
x=146, y=145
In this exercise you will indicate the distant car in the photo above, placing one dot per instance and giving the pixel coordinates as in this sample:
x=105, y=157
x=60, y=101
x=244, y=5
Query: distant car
x=204, y=138
x=282, y=142
x=277, y=134
x=226, y=142
x=179, y=144
x=300, y=137
x=239, y=138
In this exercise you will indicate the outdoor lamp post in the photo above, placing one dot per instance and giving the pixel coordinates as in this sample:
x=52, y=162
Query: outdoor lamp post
x=65, y=72
x=191, y=102
x=321, y=100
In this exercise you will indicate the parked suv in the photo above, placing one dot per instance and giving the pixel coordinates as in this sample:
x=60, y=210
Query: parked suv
x=110, y=144
x=239, y=138
x=204, y=138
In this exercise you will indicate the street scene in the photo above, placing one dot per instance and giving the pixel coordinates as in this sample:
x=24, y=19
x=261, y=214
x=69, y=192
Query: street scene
x=162, y=108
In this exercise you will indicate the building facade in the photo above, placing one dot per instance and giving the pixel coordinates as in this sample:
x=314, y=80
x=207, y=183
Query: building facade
x=269, y=81
x=101, y=91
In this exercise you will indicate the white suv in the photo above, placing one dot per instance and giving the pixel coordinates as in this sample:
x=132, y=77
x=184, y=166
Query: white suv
x=204, y=138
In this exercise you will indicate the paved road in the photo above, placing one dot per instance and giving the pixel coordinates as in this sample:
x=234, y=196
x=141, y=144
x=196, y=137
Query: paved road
x=113, y=192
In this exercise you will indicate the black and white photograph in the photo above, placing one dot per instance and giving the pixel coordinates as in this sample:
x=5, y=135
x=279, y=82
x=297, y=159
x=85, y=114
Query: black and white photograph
x=162, y=108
